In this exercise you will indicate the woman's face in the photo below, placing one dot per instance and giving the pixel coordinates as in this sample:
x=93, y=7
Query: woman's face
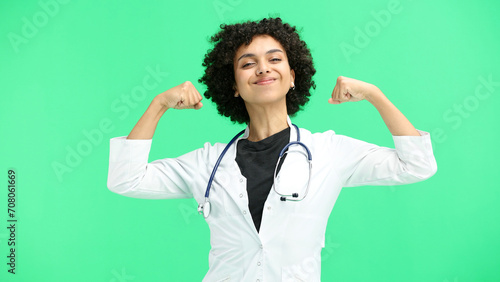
x=262, y=73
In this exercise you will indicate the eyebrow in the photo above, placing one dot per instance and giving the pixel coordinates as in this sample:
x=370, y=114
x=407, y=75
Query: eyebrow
x=253, y=55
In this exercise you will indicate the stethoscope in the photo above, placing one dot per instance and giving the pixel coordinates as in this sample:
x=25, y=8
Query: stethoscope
x=204, y=208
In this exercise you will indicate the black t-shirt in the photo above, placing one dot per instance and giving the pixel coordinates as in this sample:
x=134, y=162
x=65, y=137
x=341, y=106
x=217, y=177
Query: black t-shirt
x=257, y=161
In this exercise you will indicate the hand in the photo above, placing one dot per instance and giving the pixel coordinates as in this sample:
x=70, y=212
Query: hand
x=182, y=96
x=351, y=90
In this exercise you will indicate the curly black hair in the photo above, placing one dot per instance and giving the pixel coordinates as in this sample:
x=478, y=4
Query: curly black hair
x=219, y=72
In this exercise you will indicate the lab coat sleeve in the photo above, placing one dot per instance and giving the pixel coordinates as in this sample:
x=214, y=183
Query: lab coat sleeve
x=363, y=163
x=131, y=175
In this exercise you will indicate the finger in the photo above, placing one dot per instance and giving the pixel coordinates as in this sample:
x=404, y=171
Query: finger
x=336, y=97
x=333, y=92
x=194, y=97
x=343, y=94
x=194, y=100
x=190, y=101
x=346, y=96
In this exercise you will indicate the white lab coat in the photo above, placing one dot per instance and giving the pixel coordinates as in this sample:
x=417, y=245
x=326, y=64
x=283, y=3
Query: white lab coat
x=288, y=247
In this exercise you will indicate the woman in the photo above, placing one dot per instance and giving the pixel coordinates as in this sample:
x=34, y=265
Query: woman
x=266, y=228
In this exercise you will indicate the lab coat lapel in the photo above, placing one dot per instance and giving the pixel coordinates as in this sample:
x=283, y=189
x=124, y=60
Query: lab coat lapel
x=234, y=191
x=236, y=177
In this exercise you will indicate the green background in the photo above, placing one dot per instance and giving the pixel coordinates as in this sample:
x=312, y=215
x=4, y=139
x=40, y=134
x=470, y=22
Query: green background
x=67, y=69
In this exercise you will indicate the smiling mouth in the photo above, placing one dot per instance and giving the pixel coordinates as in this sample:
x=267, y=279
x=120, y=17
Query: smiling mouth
x=265, y=82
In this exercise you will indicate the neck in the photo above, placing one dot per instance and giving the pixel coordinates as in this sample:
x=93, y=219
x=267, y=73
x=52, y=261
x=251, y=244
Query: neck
x=266, y=121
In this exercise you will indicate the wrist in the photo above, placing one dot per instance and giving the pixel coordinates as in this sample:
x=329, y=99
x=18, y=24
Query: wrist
x=159, y=104
x=375, y=96
x=157, y=108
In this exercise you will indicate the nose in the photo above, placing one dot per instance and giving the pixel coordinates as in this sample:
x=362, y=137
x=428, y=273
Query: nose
x=261, y=68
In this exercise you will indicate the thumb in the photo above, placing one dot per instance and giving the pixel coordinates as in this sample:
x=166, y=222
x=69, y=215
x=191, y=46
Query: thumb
x=335, y=102
x=198, y=105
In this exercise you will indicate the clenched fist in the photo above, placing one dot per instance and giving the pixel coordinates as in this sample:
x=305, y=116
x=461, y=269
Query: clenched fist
x=182, y=96
x=351, y=90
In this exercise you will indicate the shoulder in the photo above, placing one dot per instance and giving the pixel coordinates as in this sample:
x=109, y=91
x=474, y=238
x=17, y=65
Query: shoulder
x=330, y=142
x=328, y=135
x=320, y=141
x=206, y=154
x=209, y=148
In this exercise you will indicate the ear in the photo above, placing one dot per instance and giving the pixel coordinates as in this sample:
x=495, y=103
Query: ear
x=292, y=73
x=236, y=93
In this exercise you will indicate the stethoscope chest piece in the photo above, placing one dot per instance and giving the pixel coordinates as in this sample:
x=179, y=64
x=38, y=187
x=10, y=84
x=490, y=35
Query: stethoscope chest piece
x=204, y=208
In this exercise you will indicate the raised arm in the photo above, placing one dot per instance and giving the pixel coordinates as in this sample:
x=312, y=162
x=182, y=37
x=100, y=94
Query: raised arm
x=367, y=164
x=182, y=96
x=352, y=90
x=129, y=172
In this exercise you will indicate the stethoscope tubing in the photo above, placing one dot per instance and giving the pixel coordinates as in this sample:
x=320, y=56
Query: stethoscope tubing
x=214, y=170
x=294, y=196
x=206, y=207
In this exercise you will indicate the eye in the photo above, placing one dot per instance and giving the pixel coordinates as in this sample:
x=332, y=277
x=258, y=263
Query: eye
x=276, y=59
x=246, y=65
